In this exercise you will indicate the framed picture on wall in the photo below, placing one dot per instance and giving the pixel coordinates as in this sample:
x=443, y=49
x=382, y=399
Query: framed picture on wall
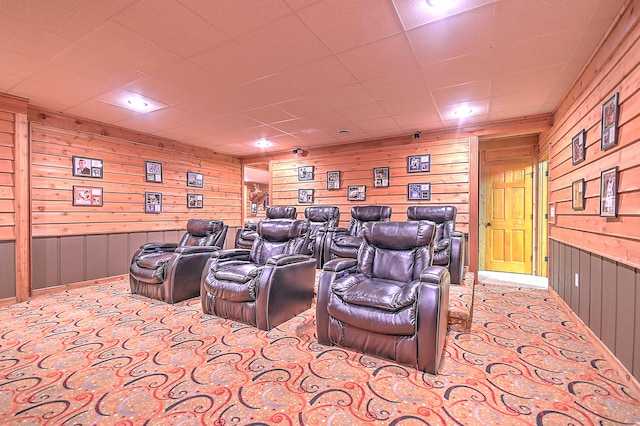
x=153, y=171
x=609, y=136
x=195, y=180
x=577, y=194
x=87, y=167
x=195, y=201
x=380, y=177
x=254, y=208
x=305, y=196
x=577, y=148
x=357, y=193
x=152, y=202
x=419, y=191
x=305, y=173
x=609, y=192
x=419, y=163
x=333, y=180
x=87, y=196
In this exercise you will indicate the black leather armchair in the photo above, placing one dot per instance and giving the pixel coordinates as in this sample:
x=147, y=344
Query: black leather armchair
x=344, y=242
x=448, y=243
x=246, y=234
x=171, y=272
x=264, y=286
x=320, y=219
x=389, y=302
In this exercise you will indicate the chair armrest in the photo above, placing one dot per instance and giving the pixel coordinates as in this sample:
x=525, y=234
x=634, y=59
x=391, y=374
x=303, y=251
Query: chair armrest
x=196, y=249
x=231, y=254
x=287, y=259
x=434, y=275
x=159, y=246
x=341, y=265
x=456, y=257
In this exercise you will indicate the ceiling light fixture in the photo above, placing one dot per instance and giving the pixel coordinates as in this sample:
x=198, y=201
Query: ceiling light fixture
x=440, y=4
x=263, y=143
x=463, y=112
x=343, y=131
x=131, y=101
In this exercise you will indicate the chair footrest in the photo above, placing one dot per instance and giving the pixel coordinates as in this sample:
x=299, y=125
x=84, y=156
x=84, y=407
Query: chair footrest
x=461, y=304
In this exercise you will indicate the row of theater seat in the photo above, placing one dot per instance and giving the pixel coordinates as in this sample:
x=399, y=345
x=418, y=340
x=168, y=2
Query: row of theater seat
x=388, y=301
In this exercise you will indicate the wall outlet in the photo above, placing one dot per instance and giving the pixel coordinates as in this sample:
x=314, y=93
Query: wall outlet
x=576, y=281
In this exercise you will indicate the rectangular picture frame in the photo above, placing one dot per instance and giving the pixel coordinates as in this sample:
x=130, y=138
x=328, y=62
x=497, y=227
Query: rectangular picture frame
x=380, y=177
x=578, y=148
x=153, y=171
x=333, y=180
x=87, y=167
x=609, y=192
x=419, y=191
x=195, y=201
x=254, y=208
x=195, y=180
x=305, y=196
x=305, y=173
x=357, y=192
x=87, y=196
x=419, y=163
x=609, y=135
x=577, y=194
x=152, y=202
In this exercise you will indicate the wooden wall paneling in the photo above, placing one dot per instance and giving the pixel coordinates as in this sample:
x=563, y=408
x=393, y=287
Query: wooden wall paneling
x=96, y=256
x=46, y=262
x=585, y=286
x=595, y=297
x=609, y=302
x=118, y=259
x=553, y=265
x=575, y=269
x=7, y=266
x=636, y=328
x=625, y=313
x=72, y=259
x=22, y=187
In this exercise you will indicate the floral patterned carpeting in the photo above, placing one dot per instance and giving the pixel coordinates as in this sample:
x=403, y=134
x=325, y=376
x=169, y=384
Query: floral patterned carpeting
x=100, y=356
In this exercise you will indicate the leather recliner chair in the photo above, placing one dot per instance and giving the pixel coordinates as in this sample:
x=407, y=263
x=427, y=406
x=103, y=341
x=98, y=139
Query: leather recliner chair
x=171, y=272
x=448, y=243
x=320, y=219
x=390, y=302
x=264, y=286
x=344, y=242
x=246, y=234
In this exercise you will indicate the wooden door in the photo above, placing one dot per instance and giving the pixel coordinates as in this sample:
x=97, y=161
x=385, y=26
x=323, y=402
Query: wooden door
x=509, y=217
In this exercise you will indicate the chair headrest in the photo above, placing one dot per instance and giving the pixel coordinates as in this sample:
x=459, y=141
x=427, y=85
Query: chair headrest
x=281, y=212
x=281, y=230
x=371, y=213
x=203, y=227
x=399, y=235
x=437, y=214
x=322, y=213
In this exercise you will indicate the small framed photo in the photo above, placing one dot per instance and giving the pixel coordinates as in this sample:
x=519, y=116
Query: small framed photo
x=577, y=194
x=380, y=177
x=333, y=180
x=152, y=202
x=305, y=173
x=419, y=191
x=195, y=201
x=254, y=208
x=419, y=163
x=551, y=215
x=153, y=171
x=357, y=193
x=305, y=196
x=87, y=196
x=87, y=167
x=577, y=148
x=609, y=135
x=609, y=192
x=195, y=180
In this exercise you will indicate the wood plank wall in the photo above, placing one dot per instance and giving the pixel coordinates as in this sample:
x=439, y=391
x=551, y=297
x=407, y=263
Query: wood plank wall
x=600, y=254
x=449, y=176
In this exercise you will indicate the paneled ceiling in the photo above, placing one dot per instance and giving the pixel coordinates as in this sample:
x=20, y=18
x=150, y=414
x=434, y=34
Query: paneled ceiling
x=296, y=72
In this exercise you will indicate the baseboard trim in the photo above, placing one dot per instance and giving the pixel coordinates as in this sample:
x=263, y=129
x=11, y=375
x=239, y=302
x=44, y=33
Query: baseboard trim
x=44, y=291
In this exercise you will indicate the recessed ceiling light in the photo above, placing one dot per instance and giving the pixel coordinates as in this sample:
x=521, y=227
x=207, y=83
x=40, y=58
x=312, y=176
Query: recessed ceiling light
x=263, y=143
x=463, y=112
x=440, y=4
x=131, y=101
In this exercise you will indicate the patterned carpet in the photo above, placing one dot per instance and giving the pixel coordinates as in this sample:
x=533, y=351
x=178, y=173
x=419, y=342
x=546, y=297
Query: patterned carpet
x=100, y=356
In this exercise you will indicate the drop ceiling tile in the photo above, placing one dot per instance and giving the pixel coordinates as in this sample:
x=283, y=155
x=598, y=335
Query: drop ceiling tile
x=480, y=108
x=380, y=58
x=343, y=25
x=534, y=78
x=418, y=120
x=188, y=76
x=16, y=63
x=238, y=17
x=272, y=89
x=379, y=124
x=324, y=74
x=304, y=107
x=290, y=126
x=29, y=41
x=7, y=81
x=322, y=120
x=107, y=8
x=345, y=97
x=416, y=13
x=145, y=123
x=466, y=92
x=157, y=90
x=395, y=85
x=164, y=22
x=471, y=67
x=526, y=99
x=408, y=104
x=100, y=111
x=269, y=114
x=51, y=96
x=182, y=133
x=363, y=112
x=69, y=82
x=118, y=42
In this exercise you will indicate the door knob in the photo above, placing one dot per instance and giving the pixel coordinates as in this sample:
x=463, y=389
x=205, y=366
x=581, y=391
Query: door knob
x=488, y=223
